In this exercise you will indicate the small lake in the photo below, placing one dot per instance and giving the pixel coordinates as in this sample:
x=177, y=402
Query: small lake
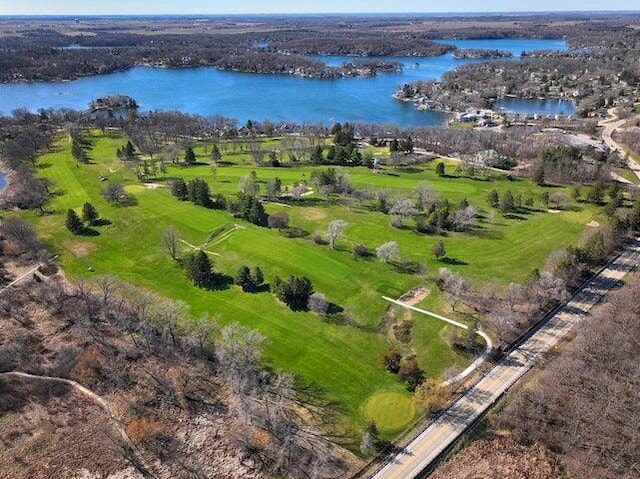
x=245, y=96
x=537, y=106
x=3, y=181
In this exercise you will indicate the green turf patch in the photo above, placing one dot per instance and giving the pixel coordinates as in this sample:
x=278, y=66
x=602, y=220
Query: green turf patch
x=340, y=362
x=391, y=411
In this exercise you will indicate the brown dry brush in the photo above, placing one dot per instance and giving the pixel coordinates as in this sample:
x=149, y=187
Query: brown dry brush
x=116, y=339
x=585, y=405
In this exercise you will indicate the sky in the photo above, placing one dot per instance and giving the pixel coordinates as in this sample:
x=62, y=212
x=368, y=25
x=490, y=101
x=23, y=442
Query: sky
x=133, y=7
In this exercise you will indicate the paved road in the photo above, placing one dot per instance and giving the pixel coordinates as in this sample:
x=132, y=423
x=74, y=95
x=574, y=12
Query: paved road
x=436, y=439
x=610, y=126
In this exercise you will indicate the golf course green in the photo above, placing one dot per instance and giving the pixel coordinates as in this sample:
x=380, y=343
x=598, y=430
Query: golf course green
x=338, y=365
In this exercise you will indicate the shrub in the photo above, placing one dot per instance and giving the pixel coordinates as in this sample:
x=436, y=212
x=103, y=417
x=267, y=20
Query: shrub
x=317, y=238
x=411, y=373
x=388, y=252
x=294, y=293
x=295, y=232
x=115, y=194
x=278, y=221
x=318, y=304
x=360, y=251
x=391, y=360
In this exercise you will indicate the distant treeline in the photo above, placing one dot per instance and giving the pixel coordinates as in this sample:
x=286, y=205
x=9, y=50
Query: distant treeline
x=271, y=45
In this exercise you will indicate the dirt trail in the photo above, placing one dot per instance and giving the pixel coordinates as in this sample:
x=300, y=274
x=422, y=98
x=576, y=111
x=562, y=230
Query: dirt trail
x=141, y=463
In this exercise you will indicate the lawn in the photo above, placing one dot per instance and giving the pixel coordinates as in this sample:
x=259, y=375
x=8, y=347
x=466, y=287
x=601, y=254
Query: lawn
x=627, y=174
x=337, y=364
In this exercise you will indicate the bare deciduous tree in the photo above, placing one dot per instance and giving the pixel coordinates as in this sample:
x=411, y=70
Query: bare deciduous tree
x=335, y=231
x=171, y=243
x=388, y=252
x=402, y=210
x=318, y=304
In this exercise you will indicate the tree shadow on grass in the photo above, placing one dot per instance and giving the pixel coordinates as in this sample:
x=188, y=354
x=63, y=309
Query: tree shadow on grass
x=86, y=231
x=485, y=233
x=102, y=222
x=328, y=411
x=57, y=192
x=513, y=216
x=263, y=288
x=219, y=282
x=334, y=308
x=409, y=267
x=410, y=169
x=453, y=262
x=308, y=202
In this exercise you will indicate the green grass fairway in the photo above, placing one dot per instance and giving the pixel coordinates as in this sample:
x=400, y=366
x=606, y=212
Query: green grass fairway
x=338, y=364
x=391, y=411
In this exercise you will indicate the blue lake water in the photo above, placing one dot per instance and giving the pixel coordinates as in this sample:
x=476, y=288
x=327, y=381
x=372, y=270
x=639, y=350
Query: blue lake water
x=537, y=106
x=244, y=96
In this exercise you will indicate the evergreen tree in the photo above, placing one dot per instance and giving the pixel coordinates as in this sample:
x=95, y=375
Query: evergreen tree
x=244, y=279
x=407, y=145
x=440, y=169
x=394, y=146
x=190, y=157
x=392, y=360
x=355, y=158
x=216, y=154
x=493, y=199
x=89, y=214
x=198, y=192
x=199, y=269
x=258, y=277
x=129, y=151
x=316, y=155
x=343, y=135
x=179, y=189
x=256, y=214
x=294, y=293
x=78, y=152
x=538, y=175
x=507, y=204
x=331, y=154
x=73, y=222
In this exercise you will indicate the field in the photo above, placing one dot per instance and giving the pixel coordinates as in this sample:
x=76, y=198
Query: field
x=336, y=364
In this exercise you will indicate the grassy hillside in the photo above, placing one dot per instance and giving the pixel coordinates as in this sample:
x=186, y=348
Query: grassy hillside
x=337, y=364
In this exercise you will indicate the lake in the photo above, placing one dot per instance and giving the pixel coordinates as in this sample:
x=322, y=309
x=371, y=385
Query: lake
x=244, y=96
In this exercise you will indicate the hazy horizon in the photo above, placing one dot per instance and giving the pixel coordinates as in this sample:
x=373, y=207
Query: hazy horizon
x=304, y=7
